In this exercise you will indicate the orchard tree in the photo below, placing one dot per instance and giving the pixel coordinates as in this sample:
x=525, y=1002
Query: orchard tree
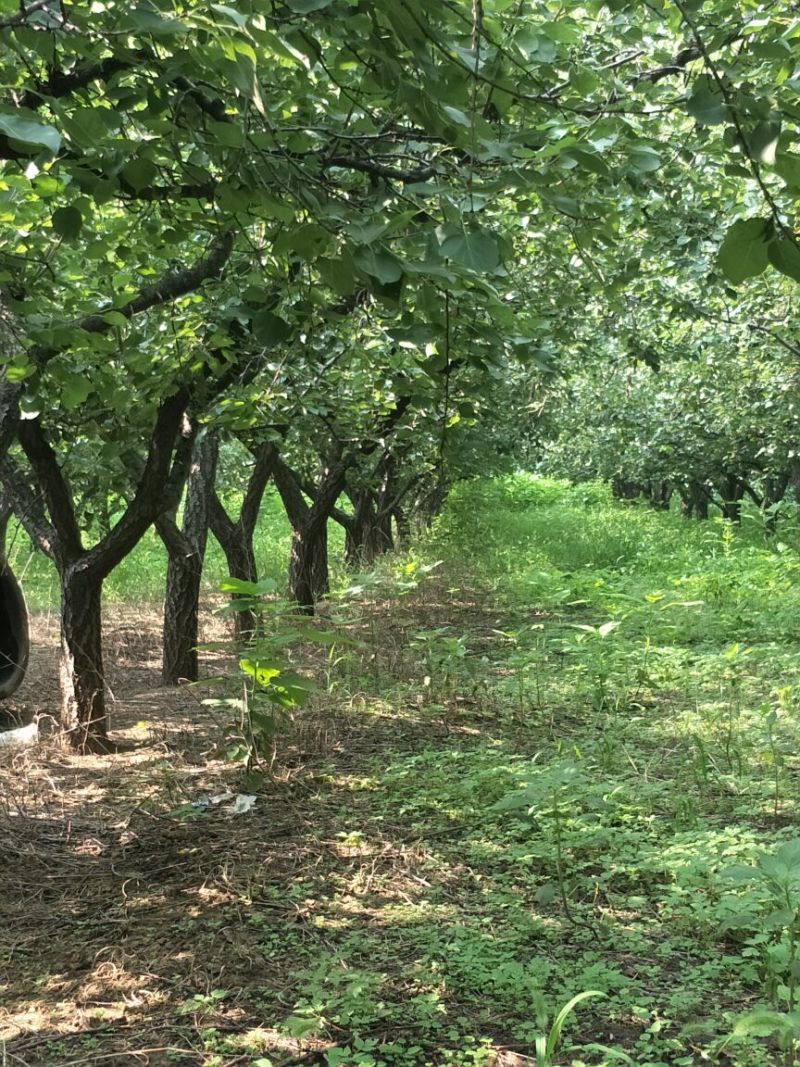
x=251, y=169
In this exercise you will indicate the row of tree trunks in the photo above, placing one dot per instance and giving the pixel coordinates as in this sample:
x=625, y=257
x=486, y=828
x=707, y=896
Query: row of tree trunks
x=82, y=571
x=178, y=458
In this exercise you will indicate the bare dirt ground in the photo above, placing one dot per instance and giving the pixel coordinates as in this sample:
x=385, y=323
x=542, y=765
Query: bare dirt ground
x=132, y=927
x=100, y=884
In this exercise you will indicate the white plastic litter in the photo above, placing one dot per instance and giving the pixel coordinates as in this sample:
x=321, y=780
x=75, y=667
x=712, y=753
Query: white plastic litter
x=244, y=802
x=25, y=735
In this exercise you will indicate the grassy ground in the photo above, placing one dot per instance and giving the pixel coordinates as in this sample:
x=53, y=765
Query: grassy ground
x=556, y=754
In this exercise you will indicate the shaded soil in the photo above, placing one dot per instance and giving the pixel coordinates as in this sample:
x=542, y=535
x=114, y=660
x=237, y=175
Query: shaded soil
x=132, y=925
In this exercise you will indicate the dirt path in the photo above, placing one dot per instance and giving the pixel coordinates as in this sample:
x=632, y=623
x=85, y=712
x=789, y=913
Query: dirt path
x=134, y=926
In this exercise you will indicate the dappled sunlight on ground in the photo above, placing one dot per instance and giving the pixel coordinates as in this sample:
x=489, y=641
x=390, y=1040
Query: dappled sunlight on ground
x=480, y=811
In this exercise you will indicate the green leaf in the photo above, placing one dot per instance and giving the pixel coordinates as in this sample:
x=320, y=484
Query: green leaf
x=139, y=173
x=762, y=1023
x=763, y=141
x=304, y=7
x=338, y=273
x=239, y=585
x=787, y=165
x=561, y=1018
x=784, y=255
x=67, y=222
x=743, y=253
x=151, y=22
x=270, y=329
x=644, y=159
x=706, y=105
x=236, y=17
x=789, y=852
x=306, y=242
x=30, y=131
x=74, y=390
x=477, y=250
x=379, y=263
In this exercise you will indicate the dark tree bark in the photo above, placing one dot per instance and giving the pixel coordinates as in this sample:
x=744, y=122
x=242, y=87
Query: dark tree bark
x=694, y=500
x=81, y=571
x=731, y=491
x=367, y=531
x=83, y=710
x=14, y=625
x=186, y=548
x=308, y=560
x=431, y=503
x=660, y=495
x=622, y=489
x=235, y=537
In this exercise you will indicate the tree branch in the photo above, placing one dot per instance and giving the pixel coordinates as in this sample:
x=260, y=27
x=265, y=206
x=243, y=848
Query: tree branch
x=149, y=500
x=55, y=492
x=29, y=509
x=171, y=286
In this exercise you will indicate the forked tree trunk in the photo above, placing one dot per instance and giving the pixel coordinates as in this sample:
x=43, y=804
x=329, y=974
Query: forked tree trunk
x=236, y=537
x=660, y=494
x=308, y=559
x=82, y=571
x=364, y=532
x=47, y=510
x=731, y=492
x=309, y=578
x=694, y=500
x=83, y=710
x=186, y=548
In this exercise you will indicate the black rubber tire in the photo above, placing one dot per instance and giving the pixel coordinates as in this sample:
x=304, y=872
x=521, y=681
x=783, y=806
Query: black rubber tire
x=14, y=633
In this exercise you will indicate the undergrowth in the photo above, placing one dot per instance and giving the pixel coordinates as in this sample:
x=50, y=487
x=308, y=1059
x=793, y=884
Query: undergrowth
x=566, y=763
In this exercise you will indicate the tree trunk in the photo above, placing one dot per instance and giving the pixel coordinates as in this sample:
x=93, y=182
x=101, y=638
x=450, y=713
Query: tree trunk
x=364, y=535
x=660, y=494
x=775, y=486
x=402, y=524
x=241, y=559
x=83, y=710
x=181, y=619
x=186, y=548
x=694, y=500
x=308, y=560
x=622, y=489
x=731, y=491
x=308, y=566
x=236, y=538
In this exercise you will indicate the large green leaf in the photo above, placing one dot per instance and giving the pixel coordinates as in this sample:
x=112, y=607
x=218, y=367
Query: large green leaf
x=304, y=7
x=379, y=263
x=706, y=104
x=743, y=253
x=30, y=131
x=270, y=329
x=787, y=164
x=67, y=222
x=784, y=255
x=477, y=250
x=139, y=172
